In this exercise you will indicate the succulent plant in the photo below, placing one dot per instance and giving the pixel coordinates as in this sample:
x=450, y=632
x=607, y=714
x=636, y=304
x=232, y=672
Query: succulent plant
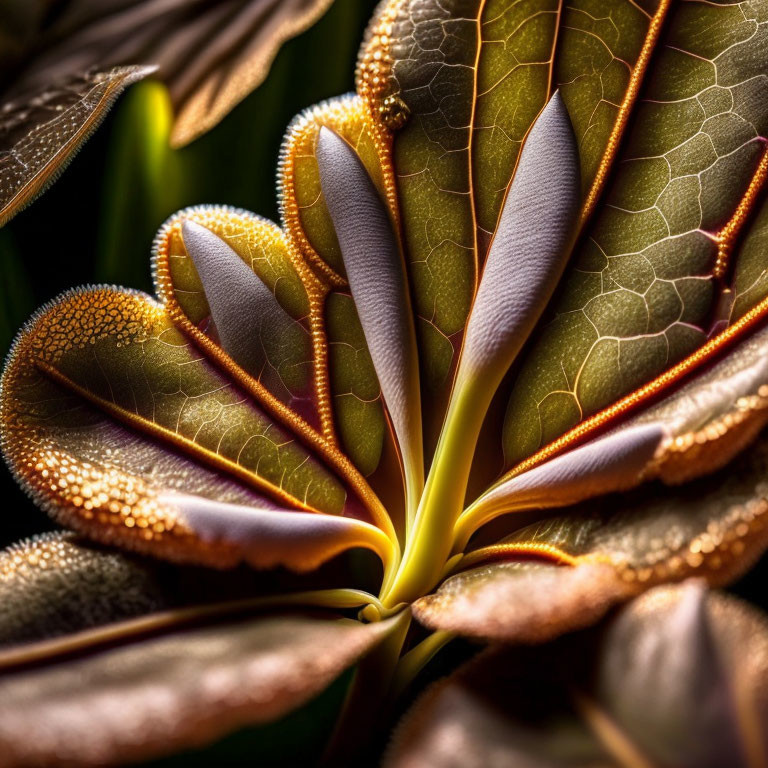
x=509, y=338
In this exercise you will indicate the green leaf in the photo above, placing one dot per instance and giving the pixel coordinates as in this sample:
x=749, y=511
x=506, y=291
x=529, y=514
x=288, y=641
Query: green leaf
x=274, y=348
x=641, y=291
x=115, y=422
x=356, y=392
x=379, y=287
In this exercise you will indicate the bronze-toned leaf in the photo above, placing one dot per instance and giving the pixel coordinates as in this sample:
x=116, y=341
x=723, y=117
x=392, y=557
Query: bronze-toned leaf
x=62, y=71
x=211, y=54
x=182, y=689
x=54, y=584
x=519, y=601
x=605, y=550
x=39, y=136
x=679, y=678
x=117, y=424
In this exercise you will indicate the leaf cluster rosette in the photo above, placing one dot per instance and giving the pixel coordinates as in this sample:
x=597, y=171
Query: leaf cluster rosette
x=509, y=340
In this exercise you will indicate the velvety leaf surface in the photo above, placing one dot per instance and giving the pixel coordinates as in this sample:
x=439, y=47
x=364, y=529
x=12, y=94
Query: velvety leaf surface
x=103, y=399
x=643, y=285
x=379, y=288
x=183, y=689
x=678, y=678
x=303, y=208
x=605, y=550
x=520, y=601
x=54, y=584
x=39, y=137
x=276, y=349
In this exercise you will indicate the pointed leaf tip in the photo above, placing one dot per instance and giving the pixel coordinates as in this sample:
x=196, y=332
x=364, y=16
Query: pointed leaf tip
x=379, y=288
x=530, y=248
x=268, y=536
x=614, y=462
x=244, y=310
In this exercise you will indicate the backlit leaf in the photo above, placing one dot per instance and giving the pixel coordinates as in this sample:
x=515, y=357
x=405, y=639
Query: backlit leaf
x=525, y=260
x=643, y=286
x=379, y=287
x=103, y=399
x=38, y=138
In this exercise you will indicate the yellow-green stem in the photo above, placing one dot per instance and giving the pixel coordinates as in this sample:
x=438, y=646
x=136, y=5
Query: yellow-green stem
x=431, y=538
x=415, y=660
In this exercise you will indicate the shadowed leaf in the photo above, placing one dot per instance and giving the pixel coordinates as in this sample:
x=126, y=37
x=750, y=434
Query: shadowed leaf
x=210, y=54
x=183, y=689
x=63, y=70
x=678, y=678
x=52, y=585
x=38, y=138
